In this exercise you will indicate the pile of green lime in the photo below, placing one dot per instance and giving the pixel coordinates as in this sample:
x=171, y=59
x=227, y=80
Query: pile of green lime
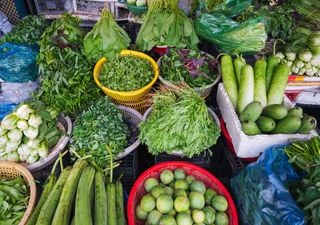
x=178, y=199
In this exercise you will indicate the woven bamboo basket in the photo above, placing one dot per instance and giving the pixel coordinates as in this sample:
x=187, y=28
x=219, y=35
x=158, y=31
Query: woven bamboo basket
x=13, y=170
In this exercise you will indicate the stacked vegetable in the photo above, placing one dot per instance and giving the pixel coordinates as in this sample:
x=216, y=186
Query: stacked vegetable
x=197, y=69
x=181, y=200
x=66, y=82
x=306, y=156
x=27, y=134
x=106, y=39
x=14, y=195
x=100, y=125
x=126, y=73
x=80, y=195
x=179, y=121
x=27, y=31
x=166, y=24
x=257, y=95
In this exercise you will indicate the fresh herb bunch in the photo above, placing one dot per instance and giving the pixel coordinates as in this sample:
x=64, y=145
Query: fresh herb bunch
x=126, y=73
x=14, y=201
x=166, y=24
x=179, y=121
x=106, y=39
x=27, y=31
x=99, y=126
x=66, y=82
x=196, y=68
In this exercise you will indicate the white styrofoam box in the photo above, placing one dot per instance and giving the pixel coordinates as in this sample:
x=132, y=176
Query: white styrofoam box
x=250, y=146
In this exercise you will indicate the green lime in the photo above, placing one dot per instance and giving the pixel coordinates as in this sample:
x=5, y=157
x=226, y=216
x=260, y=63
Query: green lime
x=140, y=213
x=157, y=191
x=196, y=200
x=179, y=174
x=167, y=220
x=180, y=192
x=154, y=217
x=147, y=203
x=166, y=176
x=219, y=203
x=150, y=184
x=210, y=214
x=190, y=179
x=184, y=219
x=198, y=216
x=164, y=203
x=181, y=204
x=198, y=186
x=181, y=184
x=221, y=219
x=169, y=190
x=209, y=195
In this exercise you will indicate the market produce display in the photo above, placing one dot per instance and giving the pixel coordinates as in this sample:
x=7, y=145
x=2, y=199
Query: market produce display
x=197, y=69
x=28, y=134
x=80, y=195
x=165, y=24
x=97, y=130
x=66, y=82
x=126, y=73
x=106, y=39
x=182, y=200
x=14, y=198
x=179, y=121
x=306, y=156
x=27, y=31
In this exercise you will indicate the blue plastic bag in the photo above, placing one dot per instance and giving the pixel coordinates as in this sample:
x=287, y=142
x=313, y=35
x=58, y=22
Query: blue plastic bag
x=18, y=63
x=6, y=108
x=260, y=193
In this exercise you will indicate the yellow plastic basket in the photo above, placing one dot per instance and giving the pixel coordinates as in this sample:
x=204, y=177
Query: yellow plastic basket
x=130, y=95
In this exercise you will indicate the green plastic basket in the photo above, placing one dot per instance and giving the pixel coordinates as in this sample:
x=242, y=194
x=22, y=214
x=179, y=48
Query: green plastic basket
x=136, y=10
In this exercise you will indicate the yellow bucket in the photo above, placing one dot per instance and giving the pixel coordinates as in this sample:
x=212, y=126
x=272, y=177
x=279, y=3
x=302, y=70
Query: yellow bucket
x=130, y=95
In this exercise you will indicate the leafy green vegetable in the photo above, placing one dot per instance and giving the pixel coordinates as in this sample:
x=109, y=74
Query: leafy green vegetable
x=195, y=68
x=179, y=121
x=106, y=39
x=166, y=24
x=14, y=198
x=99, y=126
x=126, y=73
x=27, y=31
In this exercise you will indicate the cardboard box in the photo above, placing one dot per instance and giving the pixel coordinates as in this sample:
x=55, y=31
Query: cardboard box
x=251, y=146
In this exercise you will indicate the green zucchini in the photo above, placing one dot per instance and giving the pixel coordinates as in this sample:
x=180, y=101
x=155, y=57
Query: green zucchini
x=239, y=62
x=51, y=180
x=63, y=211
x=260, y=91
x=83, y=204
x=100, y=200
x=278, y=84
x=246, y=88
x=49, y=207
x=273, y=62
x=229, y=79
x=119, y=204
x=111, y=192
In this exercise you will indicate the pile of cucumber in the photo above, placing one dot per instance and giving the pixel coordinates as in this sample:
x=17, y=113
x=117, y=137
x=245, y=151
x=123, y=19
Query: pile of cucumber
x=79, y=196
x=275, y=119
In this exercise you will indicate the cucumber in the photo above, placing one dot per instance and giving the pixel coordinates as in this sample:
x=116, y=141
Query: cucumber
x=251, y=112
x=229, y=79
x=273, y=62
x=278, y=84
x=275, y=111
x=100, y=200
x=83, y=205
x=250, y=128
x=265, y=124
x=246, y=88
x=260, y=90
x=51, y=180
x=119, y=204
x=295, y=111
x=49, y=207
x=288, y=125
x=111, y=192
x=308, y=123
x=63, y=211
x=239, y=62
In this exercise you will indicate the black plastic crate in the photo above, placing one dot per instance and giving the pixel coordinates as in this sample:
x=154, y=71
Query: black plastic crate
x=128, y=169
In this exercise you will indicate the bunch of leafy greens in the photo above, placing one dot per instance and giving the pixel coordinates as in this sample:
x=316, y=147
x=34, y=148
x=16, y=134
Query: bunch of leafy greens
x=126, y=73
x=99, y=126
x=66, y=82
x=166, y=24
x=179, y=121
x=14, y=198
x=196, y=68
x=106, y=39
x=27, y=31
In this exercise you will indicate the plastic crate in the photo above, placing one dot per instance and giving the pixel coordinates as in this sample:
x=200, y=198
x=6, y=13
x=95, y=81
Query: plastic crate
x=93, y=7
x=128, y=168
x=203, y=161
x=53, y=7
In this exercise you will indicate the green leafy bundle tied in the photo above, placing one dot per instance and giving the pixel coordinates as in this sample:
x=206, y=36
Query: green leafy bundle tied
x=106, y=39
x=99, y=126
x=166, y=24
x=27, y=31
x=179, y=121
